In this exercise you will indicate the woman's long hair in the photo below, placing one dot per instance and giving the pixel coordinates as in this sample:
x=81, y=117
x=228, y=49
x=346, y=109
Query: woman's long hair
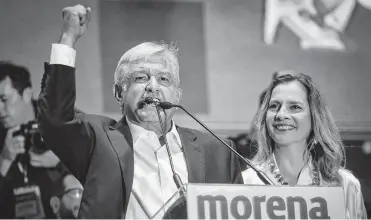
x=324, y=142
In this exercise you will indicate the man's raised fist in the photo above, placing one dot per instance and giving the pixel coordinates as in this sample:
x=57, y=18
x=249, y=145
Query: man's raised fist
x=75, y=23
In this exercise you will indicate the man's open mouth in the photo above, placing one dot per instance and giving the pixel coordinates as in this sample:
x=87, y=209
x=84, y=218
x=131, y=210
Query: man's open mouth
x=147, y=102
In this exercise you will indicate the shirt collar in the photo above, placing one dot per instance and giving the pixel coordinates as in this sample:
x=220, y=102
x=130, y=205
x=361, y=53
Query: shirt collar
x=137, y=131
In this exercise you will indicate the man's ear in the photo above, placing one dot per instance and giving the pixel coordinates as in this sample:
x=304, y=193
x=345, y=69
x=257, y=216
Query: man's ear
x=27, y=94
x=55, y=204
x=118, y=93
x=178, y=95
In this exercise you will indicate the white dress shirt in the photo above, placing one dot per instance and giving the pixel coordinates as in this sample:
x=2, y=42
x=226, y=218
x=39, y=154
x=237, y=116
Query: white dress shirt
x=153, y=182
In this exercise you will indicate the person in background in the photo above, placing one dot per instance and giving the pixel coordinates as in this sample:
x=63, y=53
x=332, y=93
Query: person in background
x=27, y=167
x=299, y=143
x=244, y=145
x=67, y=205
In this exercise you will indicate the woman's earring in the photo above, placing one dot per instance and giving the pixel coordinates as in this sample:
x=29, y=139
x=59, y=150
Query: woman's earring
x=312, y=145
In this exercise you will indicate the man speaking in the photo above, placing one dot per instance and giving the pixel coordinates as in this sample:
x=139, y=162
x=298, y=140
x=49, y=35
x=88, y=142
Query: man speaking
x=126, y=167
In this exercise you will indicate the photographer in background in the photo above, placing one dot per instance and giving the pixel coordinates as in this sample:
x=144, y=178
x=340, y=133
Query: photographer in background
x=30, y=174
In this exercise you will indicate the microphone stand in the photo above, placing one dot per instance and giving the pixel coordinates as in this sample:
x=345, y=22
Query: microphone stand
x=261, y=175
x=176, y=177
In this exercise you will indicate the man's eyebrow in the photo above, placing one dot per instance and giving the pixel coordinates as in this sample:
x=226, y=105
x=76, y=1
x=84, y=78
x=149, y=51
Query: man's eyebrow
x=145, y=70
x=138, y=71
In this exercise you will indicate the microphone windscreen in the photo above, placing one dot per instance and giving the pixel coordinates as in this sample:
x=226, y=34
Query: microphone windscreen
x=166, y=105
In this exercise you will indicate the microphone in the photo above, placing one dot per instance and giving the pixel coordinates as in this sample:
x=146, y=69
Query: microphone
x=176, y=177
x=261, y=175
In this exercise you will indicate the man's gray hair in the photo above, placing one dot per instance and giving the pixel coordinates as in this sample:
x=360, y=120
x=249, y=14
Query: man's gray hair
x=142, y=52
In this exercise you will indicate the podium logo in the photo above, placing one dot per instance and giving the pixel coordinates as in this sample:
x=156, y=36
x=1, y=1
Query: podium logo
x=275, y=207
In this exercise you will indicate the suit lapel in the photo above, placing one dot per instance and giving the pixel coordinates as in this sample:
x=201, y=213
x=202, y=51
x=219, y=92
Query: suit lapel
x=194, y=154
x=122, y=142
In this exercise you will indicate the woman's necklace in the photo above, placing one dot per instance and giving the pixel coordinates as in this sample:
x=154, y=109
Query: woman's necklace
x=277, y=174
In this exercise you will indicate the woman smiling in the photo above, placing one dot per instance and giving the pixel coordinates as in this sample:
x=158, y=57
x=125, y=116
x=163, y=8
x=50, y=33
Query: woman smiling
x=299, y=143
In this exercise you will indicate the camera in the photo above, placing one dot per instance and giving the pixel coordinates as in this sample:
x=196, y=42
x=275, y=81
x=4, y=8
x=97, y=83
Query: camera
x=31, y=132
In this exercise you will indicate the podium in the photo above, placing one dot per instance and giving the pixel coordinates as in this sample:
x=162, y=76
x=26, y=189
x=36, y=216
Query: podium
x=235, y=201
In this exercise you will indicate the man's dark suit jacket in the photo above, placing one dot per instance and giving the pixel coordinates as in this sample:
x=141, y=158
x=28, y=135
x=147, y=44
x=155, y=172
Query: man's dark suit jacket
x=98, y=150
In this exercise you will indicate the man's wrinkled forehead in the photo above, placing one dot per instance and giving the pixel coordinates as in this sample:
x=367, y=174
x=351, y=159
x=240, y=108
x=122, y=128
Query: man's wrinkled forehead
x=153, y=63
x=149, y=67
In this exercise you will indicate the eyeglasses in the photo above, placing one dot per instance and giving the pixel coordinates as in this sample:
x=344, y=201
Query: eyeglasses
x=74, y=193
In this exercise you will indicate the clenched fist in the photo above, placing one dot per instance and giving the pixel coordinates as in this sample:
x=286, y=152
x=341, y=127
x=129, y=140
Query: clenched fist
x=75, y=23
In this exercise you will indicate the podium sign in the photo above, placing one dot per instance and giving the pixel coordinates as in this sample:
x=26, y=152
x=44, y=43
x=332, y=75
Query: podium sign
x=216, y=201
